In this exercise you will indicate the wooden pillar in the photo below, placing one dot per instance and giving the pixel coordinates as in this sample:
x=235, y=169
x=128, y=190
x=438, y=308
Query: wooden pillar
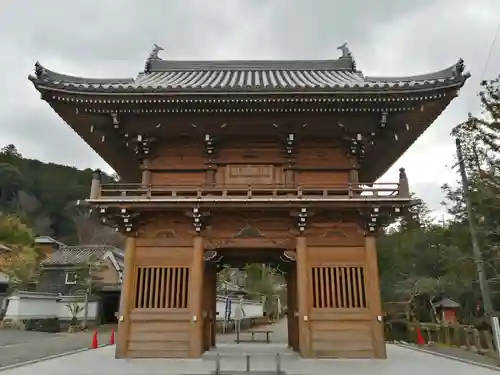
x=375, y=303
x=209, y=299
x=196, y=275
x=127, y=298
x=294, y=317
x=214, y=309
x=303, y=307
x=289, y=311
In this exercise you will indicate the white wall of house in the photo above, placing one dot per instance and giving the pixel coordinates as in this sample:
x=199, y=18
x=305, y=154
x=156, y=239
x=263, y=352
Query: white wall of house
x=4, y=278
x=28, y=305
x=251, y=309
x=31, y=305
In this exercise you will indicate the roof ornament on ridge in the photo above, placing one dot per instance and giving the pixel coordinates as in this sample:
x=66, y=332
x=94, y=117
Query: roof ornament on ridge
x=458, y=69
x=153, y=55
x=346, y=54
x=39, y=70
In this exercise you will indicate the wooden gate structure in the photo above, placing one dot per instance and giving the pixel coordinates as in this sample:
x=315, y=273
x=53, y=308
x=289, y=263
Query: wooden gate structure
x=252, y=160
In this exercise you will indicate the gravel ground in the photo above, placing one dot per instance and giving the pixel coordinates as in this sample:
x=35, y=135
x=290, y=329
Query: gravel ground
x=22, y=346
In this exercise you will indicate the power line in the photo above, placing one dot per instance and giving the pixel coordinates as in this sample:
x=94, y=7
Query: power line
x=483, y=72
x=490, y=52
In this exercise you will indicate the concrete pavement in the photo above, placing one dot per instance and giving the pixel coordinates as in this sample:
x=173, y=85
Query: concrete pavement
x=401, y=360
x=22, y=346
x=16, y=336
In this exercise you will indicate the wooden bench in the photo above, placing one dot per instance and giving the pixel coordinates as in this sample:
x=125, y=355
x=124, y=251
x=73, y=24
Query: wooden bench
x=253, y=333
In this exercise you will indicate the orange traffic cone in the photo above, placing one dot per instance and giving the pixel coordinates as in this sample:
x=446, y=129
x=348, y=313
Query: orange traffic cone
x=420, y=338
x=95, y=343
x=112, y=337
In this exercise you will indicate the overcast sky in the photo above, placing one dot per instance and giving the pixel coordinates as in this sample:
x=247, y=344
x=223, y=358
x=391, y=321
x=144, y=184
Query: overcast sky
x=101, y=38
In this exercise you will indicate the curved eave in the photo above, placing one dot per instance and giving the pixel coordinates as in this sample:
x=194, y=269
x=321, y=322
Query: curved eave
x=113, y=152
x=388, y=152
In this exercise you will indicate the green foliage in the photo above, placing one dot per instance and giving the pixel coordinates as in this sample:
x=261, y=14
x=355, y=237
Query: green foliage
x=13, y=232
x=22, y=263
x=51, y=325
x=422, y=260
x=43, y=194
x=74, y=309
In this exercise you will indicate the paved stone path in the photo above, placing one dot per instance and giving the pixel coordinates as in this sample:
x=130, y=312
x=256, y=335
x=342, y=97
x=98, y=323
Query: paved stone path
x=279, y=333
x=21, y=346
x=401, y=360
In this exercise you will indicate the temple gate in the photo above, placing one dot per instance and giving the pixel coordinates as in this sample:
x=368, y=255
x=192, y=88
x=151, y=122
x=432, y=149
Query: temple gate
x=252, y=161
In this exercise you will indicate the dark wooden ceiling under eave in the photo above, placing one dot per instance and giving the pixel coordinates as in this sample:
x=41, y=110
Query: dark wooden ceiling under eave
x=389, y=150
x=112, y=150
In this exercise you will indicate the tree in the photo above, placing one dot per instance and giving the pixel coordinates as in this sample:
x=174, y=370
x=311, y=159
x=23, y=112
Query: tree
x=40, y=192
x=88, y=277
x=22, y=266
x=11, y=181
x=10, y=150
x=13, y=232
x=22, y=263
x=89, y=230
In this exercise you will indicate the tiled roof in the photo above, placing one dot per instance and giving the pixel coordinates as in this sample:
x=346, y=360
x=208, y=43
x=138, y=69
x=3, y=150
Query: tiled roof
x=4, y=249
x=77, y=255
x=47, y=240
x=447, y=303
x=194, y=77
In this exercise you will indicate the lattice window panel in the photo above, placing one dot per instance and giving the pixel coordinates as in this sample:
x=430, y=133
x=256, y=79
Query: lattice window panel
x=338, y=287
x=161, y=288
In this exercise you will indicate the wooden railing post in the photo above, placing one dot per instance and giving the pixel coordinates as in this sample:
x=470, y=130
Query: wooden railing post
x=477, y=341
x=404, y=187
x=95, y=187
x=146, y=173
x=468, y=345
x=488, y=338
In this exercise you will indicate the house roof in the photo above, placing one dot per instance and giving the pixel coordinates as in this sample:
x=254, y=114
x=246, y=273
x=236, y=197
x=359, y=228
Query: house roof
x=4, y=248
x=253, y=76
x=76, y=255
x=447, y=303
x=48, y=240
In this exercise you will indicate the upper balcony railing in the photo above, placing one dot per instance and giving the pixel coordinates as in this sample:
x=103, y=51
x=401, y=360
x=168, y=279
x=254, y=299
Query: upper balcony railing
x=376, y=191
x=125, y=192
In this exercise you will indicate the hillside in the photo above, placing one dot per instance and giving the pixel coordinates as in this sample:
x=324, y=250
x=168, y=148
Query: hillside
x=44, y=195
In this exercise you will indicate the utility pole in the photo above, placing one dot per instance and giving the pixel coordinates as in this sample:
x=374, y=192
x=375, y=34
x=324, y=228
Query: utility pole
x=476, y=249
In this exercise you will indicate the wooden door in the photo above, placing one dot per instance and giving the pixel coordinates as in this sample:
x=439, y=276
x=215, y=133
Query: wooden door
x=160, y=320
x=341, y=321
